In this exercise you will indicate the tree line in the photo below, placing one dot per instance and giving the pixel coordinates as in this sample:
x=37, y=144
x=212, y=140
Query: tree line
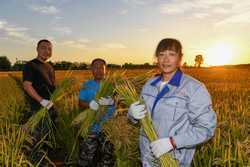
x=5, y=64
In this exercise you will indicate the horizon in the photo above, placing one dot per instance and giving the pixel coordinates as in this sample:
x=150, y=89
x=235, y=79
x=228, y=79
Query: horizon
x=151, y=64
x=126, y=30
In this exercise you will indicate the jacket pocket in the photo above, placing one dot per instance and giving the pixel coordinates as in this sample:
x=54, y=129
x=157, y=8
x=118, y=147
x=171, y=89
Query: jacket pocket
x=176, y=106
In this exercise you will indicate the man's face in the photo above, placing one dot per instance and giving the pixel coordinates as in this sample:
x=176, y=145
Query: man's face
x=98, y=70
x=168, y=61
x=44, y=50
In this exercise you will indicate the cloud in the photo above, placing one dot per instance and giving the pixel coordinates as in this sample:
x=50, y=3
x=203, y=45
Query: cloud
x=242, y=18
x=176, y=8
x=138, y=2
x=239, y=13
x=57, y=1
x=114, y=46
x=50, y=1
x=83, y=40
x=220, y=10
x=183, y=6
x=63, y=30
x=48, y=10
x=79, y=44
x=14, y=32
x=144, y=29
x=2, y=24
x=123, y=12
x=229, y=11
x=200, y=15
x=85, y=44
x=58, y=17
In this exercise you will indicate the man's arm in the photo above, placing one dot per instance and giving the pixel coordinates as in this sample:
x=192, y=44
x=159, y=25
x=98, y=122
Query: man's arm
x=85, y=97
x=83, y=105
x=27, y=85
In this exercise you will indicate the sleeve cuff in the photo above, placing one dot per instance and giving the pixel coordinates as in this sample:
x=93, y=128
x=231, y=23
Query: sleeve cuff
x=132, y=119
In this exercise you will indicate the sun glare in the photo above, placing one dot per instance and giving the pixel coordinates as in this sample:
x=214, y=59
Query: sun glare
x=219, y=54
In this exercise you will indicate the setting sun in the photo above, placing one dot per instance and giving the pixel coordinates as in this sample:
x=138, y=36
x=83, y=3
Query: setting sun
x=219, y=54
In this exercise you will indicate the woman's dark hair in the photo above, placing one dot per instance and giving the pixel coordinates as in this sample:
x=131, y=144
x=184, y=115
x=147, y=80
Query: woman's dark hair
x=169, y=44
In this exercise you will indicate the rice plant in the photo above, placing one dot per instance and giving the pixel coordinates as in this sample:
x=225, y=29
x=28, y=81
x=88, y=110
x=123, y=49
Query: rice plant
x=124, y=137
x=229, y=89
x=13, y=140
x=129, y=95
x=65, y=133
x=12, y=101
x=12, y=145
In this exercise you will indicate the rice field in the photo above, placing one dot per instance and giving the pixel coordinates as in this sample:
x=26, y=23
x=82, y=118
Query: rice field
x=229, y=89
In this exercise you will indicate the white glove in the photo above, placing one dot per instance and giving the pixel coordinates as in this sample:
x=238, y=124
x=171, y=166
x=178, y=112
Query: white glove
x=137, y=110
x=106, y=101
x=46, y=103
x=93, y=105
x=161, y=146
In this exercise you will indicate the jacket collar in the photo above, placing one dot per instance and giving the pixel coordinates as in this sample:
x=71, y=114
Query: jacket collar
x=174, y=81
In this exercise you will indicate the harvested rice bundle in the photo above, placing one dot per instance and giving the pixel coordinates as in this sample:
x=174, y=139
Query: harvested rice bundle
x=128, y=93
x=61, y=91
x=87, y=117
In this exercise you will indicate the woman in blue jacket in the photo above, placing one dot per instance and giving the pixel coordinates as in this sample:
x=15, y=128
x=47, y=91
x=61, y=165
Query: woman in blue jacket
x=180, y=107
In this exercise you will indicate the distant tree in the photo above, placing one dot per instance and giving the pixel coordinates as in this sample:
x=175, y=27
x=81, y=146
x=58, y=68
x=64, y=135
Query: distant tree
x=62, y=65
x=134, y=66
x=185, y=64
x=147, y=65
x=127, y=65
x=83, y=66
x=198, y=60
x=114, y=66
x=66, y=65
x=5, y=64
x=51, y=63
x=18, y=65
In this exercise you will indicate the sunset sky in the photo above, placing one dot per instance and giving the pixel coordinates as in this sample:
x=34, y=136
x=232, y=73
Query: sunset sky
x=126, y=30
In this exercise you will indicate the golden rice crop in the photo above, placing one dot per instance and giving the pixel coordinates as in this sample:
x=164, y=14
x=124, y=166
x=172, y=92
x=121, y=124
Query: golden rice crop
x=229, y=89
x=124, y=136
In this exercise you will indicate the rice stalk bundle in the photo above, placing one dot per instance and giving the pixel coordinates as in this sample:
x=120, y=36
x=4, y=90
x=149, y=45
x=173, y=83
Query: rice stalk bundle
x=139, y=80
x=87, y=117
x=60, y=92
x=129, y=95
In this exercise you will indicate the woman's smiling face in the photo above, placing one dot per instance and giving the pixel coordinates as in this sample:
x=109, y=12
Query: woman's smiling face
x=168, y=61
